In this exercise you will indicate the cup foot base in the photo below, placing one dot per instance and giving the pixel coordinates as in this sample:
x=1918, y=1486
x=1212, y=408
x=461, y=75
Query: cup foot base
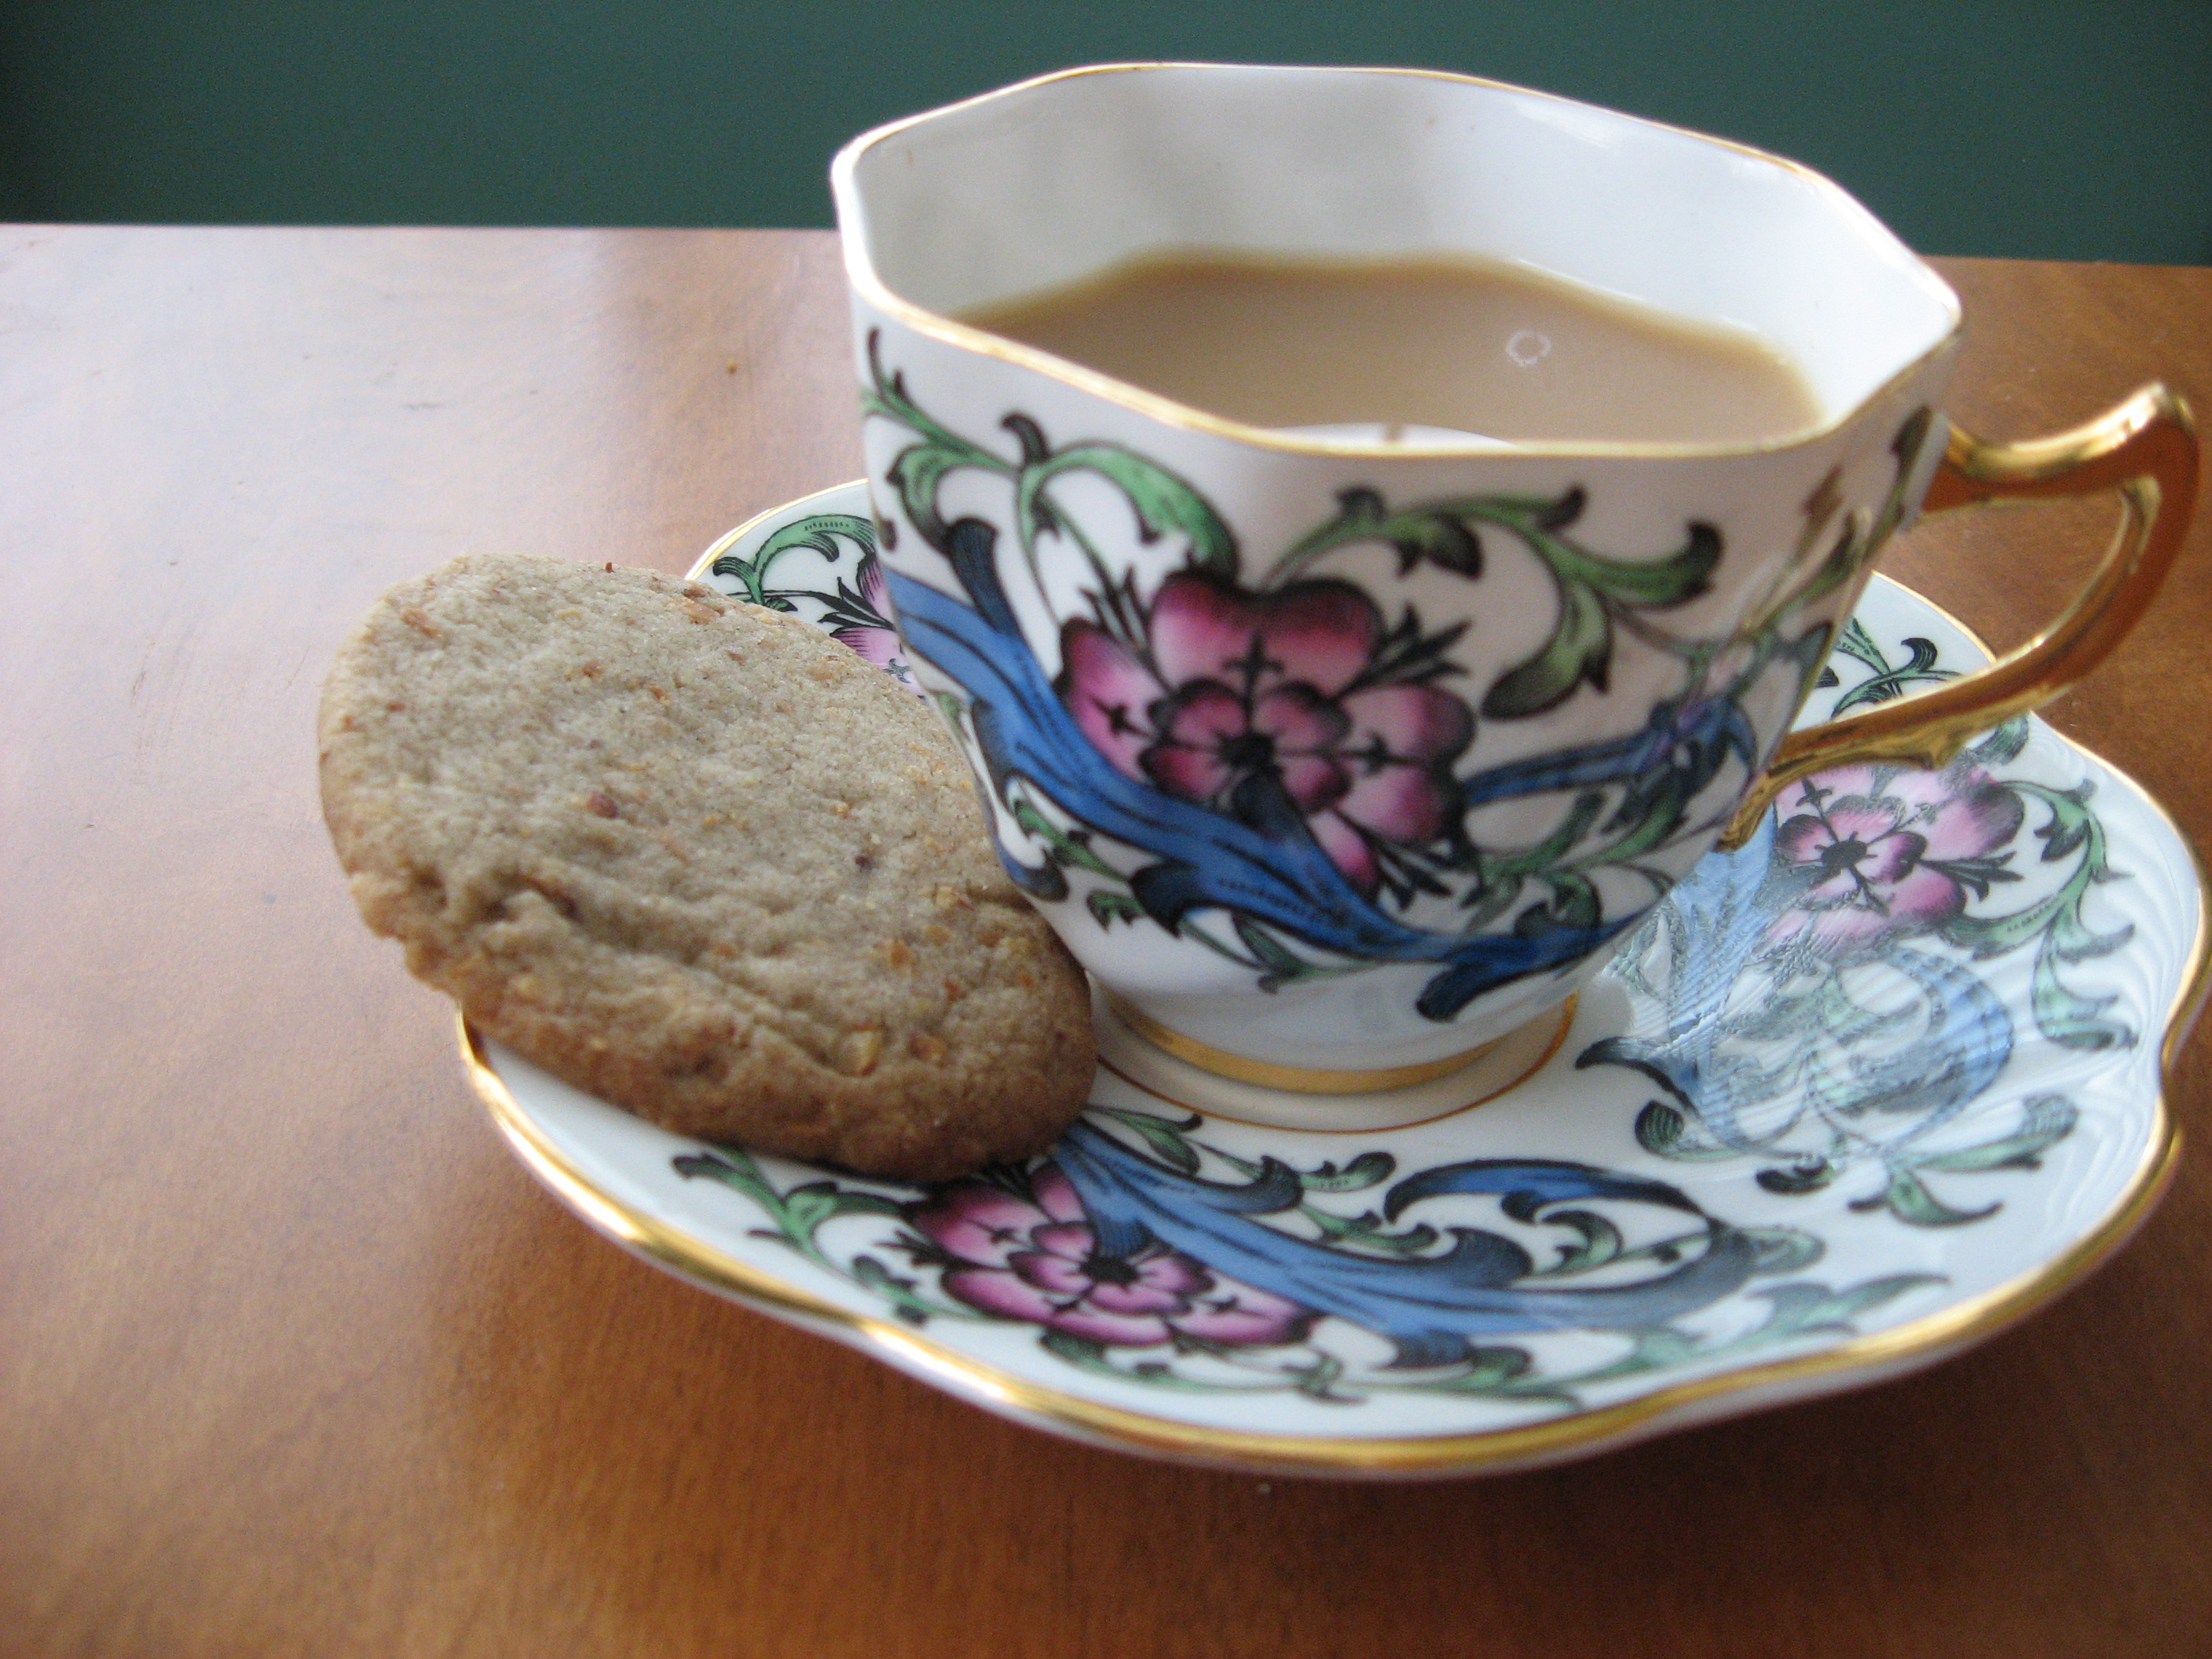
x=1456, y=1085
x=1294, y=1080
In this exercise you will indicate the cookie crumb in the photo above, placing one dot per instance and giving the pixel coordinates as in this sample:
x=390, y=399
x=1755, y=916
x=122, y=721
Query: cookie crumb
x=858, y=1053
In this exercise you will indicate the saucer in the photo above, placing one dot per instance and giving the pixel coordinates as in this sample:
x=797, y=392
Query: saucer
x=1852, y=1099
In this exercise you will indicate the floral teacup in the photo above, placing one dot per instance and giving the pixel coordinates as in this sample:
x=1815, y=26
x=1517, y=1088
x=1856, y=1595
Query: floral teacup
x=1335, y=760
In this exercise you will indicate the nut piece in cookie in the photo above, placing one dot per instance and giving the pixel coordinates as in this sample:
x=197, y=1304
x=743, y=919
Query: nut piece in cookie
x=702, y=860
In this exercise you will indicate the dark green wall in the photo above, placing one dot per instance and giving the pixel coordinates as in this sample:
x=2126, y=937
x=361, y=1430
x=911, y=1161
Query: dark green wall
x=2069, y=131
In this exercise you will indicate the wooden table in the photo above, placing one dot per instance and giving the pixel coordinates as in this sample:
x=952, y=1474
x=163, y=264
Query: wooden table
x=298, y=1360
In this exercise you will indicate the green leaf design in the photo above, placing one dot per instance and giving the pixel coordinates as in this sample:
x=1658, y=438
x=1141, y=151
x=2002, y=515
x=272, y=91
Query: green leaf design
x=1168, y=1139
x=1573, y=903
x=741, y=1172
x=1580, y=648
x=1783, y=1250
x=1846, y=1022
x=1595, y=592
x=1504, y=874
x=1432, y=533
x=1855, y=641
x=2002, y=746
x=1369, y=1231
x=1804, y=1310
x=1891, y=682
x=1075, y=1350
x=1488, y=1371
x=1781, y=1015
x=1366, y=1231
x=1662, y=1344
x=800, y=1213
x=953, y=712
x=919, y=470
x=2063, y=1015
x=1906, y=1197
x=1108, y=907
x=2044, y=1120
x=1672, y=578
x=1318, y=1380
x=905, y=1296
x=1366, y=1170
x=823, y=532
x=2067, y=1017
x=1597, y=1240
x=1795, y=1179
x=1061, y=847
x=805, y=1208
x=1165, y=504
x=1280, y=964
x=1664, y=1130
x=1088, y=1356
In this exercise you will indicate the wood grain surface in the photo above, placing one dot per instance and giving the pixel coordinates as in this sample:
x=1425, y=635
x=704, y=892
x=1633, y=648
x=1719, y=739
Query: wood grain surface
x=295, y=1358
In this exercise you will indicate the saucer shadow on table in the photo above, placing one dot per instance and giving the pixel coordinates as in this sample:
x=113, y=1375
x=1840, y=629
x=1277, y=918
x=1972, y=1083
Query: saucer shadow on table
x=1853, y=1098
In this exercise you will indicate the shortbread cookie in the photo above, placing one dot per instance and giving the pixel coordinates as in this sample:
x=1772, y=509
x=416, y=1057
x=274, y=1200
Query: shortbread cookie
x=701, y=860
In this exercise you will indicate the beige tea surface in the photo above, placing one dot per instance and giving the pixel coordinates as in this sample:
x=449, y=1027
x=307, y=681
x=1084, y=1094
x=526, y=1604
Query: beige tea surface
x=1468, y=345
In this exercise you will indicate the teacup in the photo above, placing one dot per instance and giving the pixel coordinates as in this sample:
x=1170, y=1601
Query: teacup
x=1336, y=757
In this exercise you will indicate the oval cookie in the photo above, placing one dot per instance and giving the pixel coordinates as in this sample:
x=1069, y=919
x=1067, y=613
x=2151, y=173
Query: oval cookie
x=702, y=860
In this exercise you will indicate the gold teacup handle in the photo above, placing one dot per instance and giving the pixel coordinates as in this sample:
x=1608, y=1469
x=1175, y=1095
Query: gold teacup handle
x=2145, y=449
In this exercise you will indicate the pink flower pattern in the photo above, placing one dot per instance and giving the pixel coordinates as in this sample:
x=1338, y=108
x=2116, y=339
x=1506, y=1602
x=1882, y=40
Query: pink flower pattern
x=878, y=641
x=1235, y=685
x=1037, y=1260
x=1890, y=846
